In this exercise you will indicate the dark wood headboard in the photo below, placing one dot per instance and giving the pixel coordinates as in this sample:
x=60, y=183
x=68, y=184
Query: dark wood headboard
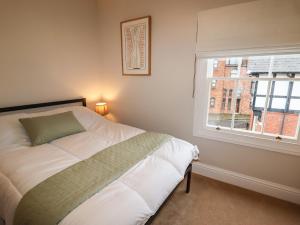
x=44, y=104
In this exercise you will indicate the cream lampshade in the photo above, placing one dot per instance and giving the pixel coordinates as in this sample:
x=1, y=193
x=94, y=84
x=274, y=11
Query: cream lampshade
x=101, y=108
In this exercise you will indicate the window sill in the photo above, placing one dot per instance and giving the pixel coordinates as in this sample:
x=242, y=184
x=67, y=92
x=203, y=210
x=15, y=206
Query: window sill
x=249, y=141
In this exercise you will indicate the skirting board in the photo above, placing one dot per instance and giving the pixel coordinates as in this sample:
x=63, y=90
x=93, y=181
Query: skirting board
x=279, y=191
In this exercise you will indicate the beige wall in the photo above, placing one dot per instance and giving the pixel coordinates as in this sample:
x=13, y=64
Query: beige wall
x=163, y=101
x=48, y=50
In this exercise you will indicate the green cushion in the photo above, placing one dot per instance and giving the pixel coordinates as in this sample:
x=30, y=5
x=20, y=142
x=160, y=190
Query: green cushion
x=44, y=129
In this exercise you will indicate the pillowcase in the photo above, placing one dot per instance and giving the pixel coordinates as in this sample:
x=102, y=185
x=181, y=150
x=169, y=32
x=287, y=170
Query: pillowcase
x=12, y=133
x=87, y=118
x=44, y=129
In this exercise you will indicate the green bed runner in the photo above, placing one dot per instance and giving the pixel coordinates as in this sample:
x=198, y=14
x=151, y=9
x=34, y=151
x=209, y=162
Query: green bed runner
x=53, y=199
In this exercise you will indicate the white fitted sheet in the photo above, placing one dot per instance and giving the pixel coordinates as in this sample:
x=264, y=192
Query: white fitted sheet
x=130, y=200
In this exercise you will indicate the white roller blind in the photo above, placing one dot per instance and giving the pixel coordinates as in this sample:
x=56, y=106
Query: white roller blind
x=262, y=24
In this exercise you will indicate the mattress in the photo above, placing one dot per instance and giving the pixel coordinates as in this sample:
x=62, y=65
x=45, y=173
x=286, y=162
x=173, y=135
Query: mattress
x=129, y=200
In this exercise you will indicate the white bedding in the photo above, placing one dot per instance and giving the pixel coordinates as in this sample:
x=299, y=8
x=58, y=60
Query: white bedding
x=130, y=200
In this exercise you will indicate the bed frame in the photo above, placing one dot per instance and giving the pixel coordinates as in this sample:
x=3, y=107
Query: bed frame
x=188, y=171
x=41, y=105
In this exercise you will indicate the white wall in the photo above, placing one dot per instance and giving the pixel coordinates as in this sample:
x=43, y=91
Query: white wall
x=48, y=50
x=163, y=102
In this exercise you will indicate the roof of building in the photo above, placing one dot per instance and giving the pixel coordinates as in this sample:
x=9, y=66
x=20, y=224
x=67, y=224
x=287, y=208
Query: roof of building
x=284, y=64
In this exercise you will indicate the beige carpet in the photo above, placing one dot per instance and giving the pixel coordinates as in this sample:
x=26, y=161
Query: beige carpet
x=214, y=203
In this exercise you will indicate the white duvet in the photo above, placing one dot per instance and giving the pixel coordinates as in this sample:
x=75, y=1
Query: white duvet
x=130, y=200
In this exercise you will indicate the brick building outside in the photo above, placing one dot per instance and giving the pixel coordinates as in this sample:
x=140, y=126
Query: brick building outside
x=248, y=107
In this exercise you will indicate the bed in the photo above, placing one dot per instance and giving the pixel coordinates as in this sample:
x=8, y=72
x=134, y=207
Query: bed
x=132, y=199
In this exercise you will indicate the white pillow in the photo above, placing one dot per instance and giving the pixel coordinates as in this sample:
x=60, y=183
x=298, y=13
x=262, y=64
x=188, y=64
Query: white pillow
x=12, y=133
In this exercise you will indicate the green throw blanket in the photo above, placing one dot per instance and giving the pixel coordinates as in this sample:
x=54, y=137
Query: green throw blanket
x=53, y=199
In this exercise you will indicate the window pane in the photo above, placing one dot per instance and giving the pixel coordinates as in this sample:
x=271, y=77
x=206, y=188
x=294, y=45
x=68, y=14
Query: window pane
x=246, y=98
x=296, y=89
x=221, y=113
x=260, y=102
x=295, y=104
x=262, y=87
x=282, y=124
x=278, y=103
x=281, y=88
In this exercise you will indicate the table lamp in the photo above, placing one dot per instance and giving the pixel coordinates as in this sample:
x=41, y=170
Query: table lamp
x=101, y=108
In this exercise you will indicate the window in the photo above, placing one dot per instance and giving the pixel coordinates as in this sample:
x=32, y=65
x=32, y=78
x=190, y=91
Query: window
x=212, y=102
x=216, y=63
x=263, y=100
x=234, y=72
x=229, y=104
x=224, y=92
x=244, y=62
x=213, y=84
x=232, y=61
x=237, y=105
x=224, y=99
x=229, y=100
x=294, y=98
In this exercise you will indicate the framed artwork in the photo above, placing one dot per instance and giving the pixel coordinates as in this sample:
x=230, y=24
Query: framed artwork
x=136, y=46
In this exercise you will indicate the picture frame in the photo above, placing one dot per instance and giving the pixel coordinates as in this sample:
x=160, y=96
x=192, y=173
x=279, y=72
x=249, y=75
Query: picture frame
x=136, y=46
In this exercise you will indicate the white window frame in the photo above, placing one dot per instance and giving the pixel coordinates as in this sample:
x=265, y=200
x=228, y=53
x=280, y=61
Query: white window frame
x=246, y=138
